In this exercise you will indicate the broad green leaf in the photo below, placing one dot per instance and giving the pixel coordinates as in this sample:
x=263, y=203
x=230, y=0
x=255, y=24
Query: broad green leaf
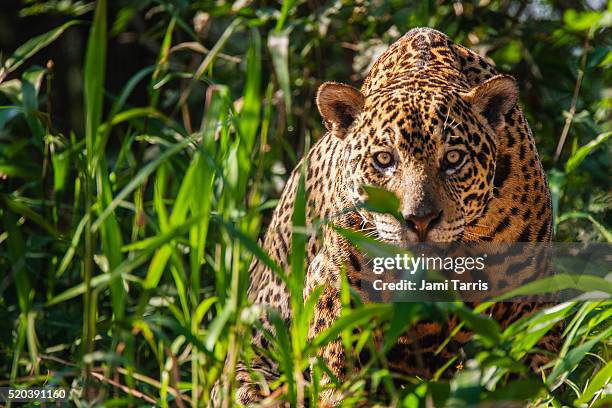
x=581, y=21
x=584, y=283
x=203, y=308
x=32, y=342
x=368, y=245
x=202, y=194
x=248, y=119
x=382, y=201
x=527, y=331
x=569, y=335
x=18, y=348
x=12, y=90
x=304, y=319
x=215, y=328
x=156, y=267
x=556, y=183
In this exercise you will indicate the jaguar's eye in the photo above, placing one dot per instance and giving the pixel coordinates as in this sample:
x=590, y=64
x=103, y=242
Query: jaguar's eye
x=384, y=159
x=453, y=158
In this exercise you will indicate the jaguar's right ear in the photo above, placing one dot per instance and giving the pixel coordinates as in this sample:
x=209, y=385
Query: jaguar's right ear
x=339, y=105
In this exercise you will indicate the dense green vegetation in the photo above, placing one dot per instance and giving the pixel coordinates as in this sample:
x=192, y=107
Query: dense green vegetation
x=129, y=215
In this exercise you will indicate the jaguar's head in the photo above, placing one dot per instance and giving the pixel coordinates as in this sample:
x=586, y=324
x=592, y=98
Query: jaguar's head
x=431, y=144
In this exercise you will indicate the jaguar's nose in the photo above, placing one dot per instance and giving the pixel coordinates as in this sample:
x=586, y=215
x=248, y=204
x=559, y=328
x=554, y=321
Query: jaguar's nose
x=423, y=223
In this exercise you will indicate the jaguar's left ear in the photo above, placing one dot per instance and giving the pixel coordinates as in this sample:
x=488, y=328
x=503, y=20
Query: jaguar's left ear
x=494, y=98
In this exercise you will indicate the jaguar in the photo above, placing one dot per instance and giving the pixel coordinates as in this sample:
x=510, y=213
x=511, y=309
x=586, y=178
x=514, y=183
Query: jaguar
x=437, y=125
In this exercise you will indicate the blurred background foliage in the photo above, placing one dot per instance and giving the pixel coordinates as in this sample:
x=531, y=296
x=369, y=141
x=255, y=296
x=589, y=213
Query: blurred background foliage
x=142, y=151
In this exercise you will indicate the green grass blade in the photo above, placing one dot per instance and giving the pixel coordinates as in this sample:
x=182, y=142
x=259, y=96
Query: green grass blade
x=79, y=289
x=31, y=81
x=126, y=116
x=298, y=246
x=94, y=73
x=94, y=70
x=351, y=320
x=248, y=119
x=19, y=170
x=20, y=208
x=17, y=252
x=210, y=58
x=76, y=239
x=18, y=347
x=140, y=177
x=568, y=363
x=202, y=194
x=285, y=9
x=152, y=243
x=31, y=47
x=254, y=249
x=487, y=328
x=162, y=62
x=584, y=283
x=32, y=342
x=278, y=44
x=285, y=353
x=580, y=154
x=111, y=240
x=605, y=232
x=178, y=216
x=598, y=382
x=382, y=201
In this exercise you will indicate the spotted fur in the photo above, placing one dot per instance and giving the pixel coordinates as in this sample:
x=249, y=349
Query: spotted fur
x=425, y=102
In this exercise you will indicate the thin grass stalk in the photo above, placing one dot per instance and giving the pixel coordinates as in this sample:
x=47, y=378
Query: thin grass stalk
x=572, y=110
x=93, y=86
x=87, y=276
x=21, y=338
x=17, y=252
x=235, y=331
